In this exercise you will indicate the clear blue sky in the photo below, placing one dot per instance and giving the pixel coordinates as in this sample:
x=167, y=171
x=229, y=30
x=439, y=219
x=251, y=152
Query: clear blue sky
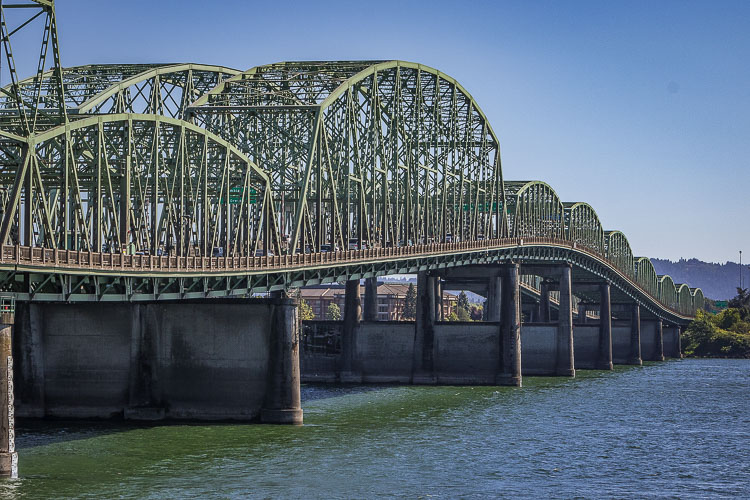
x=640, y=108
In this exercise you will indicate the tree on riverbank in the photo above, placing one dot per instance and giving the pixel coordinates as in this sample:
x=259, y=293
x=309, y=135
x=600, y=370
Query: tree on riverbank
x=333, y=313
x=305, y=311
x=410, y=303
x=722, y=335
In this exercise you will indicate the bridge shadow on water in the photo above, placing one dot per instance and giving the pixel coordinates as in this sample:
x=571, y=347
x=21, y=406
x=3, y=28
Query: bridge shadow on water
x=326, y=404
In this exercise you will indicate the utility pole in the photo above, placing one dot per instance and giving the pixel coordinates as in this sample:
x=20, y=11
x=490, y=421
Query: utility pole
x=740, y=268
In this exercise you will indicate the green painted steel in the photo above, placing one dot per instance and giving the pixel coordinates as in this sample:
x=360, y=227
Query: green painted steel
x=668, y=292
x=684, y=299
x=646, y=275
x=364, y=153
x=582, y=226
x=698, y=299
x=534, y=209
x=617, y=250
x=164, y=181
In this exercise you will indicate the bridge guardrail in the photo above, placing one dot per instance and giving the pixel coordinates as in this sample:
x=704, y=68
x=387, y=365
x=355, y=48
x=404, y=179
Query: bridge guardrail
x=76, y=259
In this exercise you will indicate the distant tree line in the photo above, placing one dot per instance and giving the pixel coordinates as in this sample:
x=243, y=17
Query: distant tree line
x=718, y=281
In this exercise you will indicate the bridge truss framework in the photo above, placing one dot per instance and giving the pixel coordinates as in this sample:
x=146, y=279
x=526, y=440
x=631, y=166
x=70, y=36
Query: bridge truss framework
x=168, y=181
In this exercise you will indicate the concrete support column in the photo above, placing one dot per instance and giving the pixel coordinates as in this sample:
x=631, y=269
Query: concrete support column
x=659, y=340
x=8, y=455
x=494, y=295
x=581, y=313
x=635, y=336
x=604, y=358
x=545, y=315
x=282, y=401
x=371, y=299
x=438, y=299
x=565, y=358
x=679, y=342
x=510, y=328
x=424, y=333
x=352, y=317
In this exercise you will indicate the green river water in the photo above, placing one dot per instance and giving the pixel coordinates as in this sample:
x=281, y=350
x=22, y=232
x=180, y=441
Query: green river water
x=679, y=429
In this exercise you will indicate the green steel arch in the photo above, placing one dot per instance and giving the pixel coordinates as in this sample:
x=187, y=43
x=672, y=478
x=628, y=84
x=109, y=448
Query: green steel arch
x=164, y=90
x=667, y=292
x=618, y=251
x=123, y=183
x=684, y=299
x=582, y=226
x=698, y=299
x=646, y=276
x=381, y=153
x=79, y=82
x=534, y=210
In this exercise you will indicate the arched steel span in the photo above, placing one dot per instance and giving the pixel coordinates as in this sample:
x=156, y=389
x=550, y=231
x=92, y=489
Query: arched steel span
x=668, y=292
x=698, y=299
x=646, y=275
x=684, y=299
x=164, y=89
x=365, y=152
x=583, y=227
x=136, y=183
x=534, y=209
x=391, y=155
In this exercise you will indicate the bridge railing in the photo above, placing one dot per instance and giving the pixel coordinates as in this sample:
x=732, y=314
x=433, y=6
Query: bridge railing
x=77, y=259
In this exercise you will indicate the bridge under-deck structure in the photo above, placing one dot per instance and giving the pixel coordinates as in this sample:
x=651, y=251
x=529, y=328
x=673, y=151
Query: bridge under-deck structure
x=144, y=207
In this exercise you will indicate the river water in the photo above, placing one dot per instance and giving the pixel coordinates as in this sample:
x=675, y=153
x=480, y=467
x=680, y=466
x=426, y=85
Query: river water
x=679, y=429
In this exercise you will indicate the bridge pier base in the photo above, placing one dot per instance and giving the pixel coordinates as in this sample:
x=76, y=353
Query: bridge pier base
x=282, y=403
x=635, y=336
x=565, y=364
x=8, y=455
x=604, y=359
x=350, y=372
x=510, y=326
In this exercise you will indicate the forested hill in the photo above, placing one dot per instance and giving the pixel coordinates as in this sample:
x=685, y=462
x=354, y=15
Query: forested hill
x=718, y=281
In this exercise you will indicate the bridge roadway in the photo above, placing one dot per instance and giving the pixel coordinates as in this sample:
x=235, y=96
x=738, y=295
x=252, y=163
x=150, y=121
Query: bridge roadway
x=120, y=183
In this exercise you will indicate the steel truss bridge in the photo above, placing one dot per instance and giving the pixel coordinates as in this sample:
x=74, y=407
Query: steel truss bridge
x=169, y=181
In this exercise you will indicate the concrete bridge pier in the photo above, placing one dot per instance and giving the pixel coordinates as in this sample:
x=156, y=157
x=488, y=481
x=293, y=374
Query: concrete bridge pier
x=370, y=310
x=424, y=330
x=652, y=340
x=660, y=340
x=510, y=325
x=635, y=336
x=350, y=372
x=582, y=308
x=8, y=455
x=545, y=315
x=604, y=358
x=494, y=298
x=282, y=404
x=438, y=299
x=564, y=362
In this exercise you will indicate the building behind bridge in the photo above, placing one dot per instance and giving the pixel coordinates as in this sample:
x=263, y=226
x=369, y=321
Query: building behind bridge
x=391, y=300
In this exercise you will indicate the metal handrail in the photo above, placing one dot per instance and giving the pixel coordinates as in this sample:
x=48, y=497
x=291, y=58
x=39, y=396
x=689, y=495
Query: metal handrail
x=77, y=259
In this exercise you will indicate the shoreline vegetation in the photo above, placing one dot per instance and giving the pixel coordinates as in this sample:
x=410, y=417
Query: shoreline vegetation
x=725, y=334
